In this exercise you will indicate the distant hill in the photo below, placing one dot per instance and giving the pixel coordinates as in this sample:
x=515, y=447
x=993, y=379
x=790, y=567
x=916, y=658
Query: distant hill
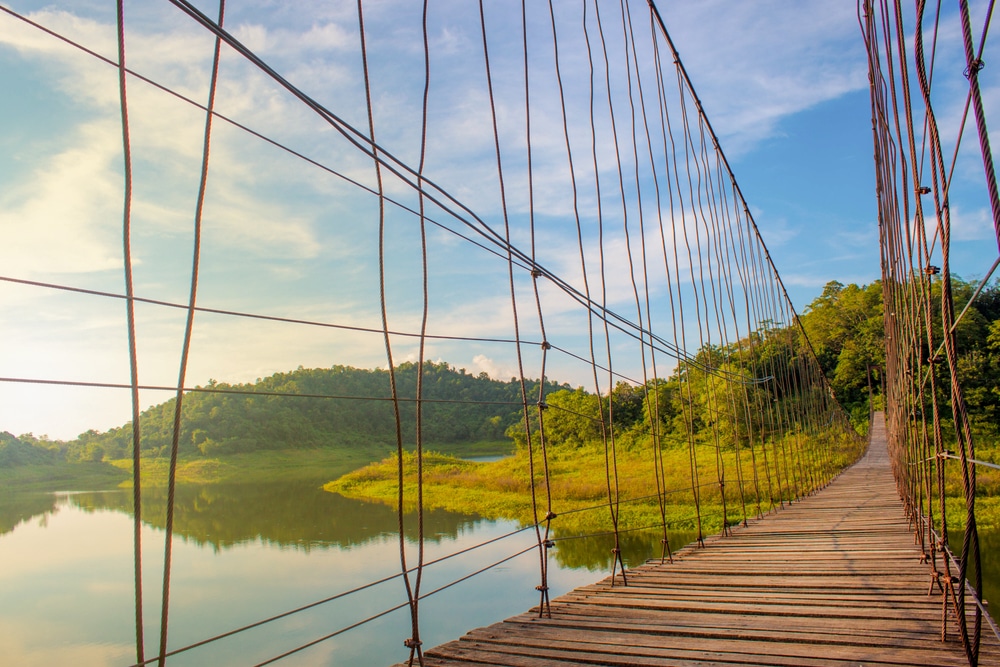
x=309, y=407
x=27, y=450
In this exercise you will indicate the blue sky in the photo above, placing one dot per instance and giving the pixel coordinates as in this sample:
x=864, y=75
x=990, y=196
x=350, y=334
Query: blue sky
x=784, y=85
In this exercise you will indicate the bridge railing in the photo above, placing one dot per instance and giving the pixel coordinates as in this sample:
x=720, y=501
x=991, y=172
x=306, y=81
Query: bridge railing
x=934, y=418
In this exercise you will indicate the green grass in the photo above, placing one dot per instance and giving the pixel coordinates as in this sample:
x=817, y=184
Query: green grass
x=578, y=484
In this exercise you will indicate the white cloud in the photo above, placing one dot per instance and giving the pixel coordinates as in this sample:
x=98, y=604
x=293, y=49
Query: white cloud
x=66, y=217
x=756, y=63
x=484, y=364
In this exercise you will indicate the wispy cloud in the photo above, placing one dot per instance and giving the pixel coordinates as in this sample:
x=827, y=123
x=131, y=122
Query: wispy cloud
x=65, y=215
x=767, y=60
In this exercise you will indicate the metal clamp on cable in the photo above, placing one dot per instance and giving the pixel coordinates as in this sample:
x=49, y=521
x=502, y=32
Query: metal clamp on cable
x=412, y=643
x=977, y=66
x=551, y=515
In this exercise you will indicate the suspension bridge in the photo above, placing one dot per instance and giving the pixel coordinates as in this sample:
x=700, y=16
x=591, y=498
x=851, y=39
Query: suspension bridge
x=551, y=193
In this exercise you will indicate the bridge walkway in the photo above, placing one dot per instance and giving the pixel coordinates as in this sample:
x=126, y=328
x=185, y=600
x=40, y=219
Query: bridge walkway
x=833, y=580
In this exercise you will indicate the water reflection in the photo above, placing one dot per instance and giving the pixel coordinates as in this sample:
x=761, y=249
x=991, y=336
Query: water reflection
x=67, y=591
x=302, y=516
x=594, y=553
x=18, y=508
x=288, y=514
x=989, y=547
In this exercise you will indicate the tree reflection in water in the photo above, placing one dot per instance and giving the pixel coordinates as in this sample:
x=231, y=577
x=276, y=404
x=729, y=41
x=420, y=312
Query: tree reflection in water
x=594, y=553
x=18, y=508
x=289, y=514
x=301, y=515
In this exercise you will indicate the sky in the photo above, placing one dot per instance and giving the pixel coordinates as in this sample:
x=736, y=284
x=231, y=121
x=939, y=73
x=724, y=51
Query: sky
x=784, y=85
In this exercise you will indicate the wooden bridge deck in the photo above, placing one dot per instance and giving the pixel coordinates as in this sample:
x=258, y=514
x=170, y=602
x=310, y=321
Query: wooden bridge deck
x=835, y=579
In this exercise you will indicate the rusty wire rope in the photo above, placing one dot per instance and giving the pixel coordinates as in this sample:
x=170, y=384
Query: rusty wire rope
x=130, y=323
x=168, y=542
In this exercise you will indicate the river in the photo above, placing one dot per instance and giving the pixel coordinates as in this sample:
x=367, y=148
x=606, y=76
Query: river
x=246, y=552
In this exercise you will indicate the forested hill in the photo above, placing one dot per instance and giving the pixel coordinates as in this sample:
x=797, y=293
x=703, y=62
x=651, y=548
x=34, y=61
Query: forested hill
x=303, y=409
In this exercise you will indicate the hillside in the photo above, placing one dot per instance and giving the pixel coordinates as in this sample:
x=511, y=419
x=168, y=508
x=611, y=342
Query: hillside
x=341, y=407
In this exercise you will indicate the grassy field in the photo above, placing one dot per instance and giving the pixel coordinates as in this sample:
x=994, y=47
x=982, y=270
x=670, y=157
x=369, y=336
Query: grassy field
x=579, y=483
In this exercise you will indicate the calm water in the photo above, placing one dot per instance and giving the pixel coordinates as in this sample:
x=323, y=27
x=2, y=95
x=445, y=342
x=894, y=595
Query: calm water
x=246, y=552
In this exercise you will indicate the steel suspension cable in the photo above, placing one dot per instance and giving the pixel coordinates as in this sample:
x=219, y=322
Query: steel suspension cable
x=412, y=601
x=186, y=346
x=606, y=417
x=130, y=324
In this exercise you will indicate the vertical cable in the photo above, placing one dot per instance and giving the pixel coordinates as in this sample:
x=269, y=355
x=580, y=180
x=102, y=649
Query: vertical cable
x=186, y=347
x=130, y=319
x=607, y=426
x=413, y=642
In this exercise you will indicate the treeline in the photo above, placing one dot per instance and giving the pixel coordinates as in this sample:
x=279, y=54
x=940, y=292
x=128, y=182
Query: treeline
x=317, y=407
x=762, y=383
x=759, y=388
x=732, y=431
x=29, y=450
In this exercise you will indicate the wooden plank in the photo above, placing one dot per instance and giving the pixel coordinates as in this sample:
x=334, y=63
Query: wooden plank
x=736, y=649
x=831, y=580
